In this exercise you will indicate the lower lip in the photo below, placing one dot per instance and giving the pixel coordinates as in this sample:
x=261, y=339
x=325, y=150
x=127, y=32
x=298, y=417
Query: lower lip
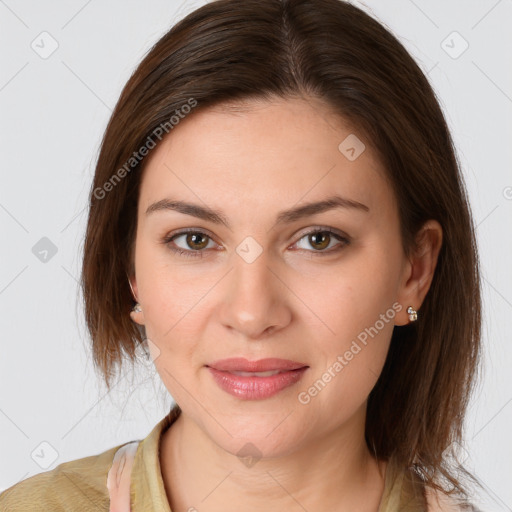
x=256, y=388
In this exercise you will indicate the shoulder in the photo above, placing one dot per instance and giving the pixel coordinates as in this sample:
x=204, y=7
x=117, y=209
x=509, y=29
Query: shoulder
x=80, y=482
x=438, y=501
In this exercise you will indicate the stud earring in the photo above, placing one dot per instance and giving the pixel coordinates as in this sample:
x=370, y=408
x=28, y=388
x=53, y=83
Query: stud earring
x=413, y=314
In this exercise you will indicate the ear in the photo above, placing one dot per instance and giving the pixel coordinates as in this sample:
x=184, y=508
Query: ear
x=136, y=316
x=419, y=269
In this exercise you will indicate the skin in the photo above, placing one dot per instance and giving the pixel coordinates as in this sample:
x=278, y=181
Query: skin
x=290, y=302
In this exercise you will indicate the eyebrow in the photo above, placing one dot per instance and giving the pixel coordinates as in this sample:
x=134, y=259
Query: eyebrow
x=284, y=217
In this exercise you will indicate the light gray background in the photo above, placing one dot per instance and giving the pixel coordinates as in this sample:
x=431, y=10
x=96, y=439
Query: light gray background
x=53, y=114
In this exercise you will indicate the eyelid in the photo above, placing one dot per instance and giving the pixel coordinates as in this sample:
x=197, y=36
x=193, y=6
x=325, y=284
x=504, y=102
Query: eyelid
x=321, y=229
x=167, y=239
x=184, y=231
x=342, y=237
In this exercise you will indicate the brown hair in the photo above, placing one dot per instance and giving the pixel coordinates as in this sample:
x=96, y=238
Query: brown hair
x=231, y=51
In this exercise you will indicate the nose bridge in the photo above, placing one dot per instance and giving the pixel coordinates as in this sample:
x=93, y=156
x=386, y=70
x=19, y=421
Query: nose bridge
x=251, y=277
x=254, y=301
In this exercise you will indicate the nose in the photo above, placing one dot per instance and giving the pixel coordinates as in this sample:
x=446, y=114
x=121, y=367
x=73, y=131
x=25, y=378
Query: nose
x=255, y=299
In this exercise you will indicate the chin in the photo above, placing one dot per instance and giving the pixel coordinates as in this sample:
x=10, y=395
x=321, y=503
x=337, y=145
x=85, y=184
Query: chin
x=265, y=436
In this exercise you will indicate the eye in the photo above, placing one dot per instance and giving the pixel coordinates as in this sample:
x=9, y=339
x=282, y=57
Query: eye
x=323, y=240
x=193, y=242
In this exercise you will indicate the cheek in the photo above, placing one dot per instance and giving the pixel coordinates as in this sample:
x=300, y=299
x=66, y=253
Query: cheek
x=176, y=312
x=357, y=293
x=357, y=306
x=351, y=360
x=168, y=291
x=173, y=319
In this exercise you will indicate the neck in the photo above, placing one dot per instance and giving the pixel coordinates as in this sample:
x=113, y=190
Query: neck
x=335, y=472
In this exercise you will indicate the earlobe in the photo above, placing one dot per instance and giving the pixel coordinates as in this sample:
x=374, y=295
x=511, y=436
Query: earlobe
x=136, y=314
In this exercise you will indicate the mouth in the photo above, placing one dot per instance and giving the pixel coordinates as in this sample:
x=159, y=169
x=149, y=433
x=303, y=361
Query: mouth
x=258, y=374
x=256, y=380
x=240, y=364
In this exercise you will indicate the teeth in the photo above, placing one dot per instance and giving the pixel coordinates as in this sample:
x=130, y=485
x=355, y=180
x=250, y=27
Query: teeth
x=257, y=374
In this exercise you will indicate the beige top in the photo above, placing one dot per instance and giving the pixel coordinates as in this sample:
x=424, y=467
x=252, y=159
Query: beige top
x=130, y=474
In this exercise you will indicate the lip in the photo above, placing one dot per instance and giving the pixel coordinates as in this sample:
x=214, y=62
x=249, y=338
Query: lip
x=261, y=365
x=254, y=387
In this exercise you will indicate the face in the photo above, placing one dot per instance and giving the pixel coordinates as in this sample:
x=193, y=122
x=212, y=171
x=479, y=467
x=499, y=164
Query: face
x=251, y=272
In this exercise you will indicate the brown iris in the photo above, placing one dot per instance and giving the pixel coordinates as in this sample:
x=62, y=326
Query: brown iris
x=196, y=241
x=320, y=240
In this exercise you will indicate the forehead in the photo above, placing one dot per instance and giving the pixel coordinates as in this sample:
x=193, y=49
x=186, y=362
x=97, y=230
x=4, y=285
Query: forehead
x=275, y=151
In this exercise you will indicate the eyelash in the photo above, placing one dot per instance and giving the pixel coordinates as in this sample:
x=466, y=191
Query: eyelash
x=199, y=253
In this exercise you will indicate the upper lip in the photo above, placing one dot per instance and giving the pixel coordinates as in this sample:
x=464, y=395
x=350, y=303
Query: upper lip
x=262, y=365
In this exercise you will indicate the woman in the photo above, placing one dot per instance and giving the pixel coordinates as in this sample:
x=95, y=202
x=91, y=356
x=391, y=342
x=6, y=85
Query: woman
x=278, y=217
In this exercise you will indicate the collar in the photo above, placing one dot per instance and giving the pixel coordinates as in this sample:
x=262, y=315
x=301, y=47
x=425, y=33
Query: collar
x=147, y=489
